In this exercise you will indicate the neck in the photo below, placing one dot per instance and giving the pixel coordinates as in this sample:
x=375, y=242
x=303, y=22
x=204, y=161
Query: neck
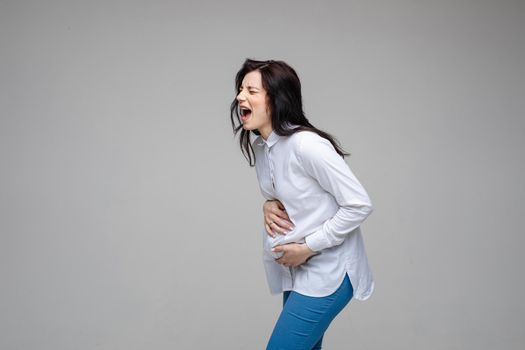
x=265, y=132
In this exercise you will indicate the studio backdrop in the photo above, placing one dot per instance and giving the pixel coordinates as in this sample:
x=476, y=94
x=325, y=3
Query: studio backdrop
x=130, y=220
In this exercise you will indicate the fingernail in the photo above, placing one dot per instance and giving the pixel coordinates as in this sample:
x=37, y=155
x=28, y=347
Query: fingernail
x=273, y=249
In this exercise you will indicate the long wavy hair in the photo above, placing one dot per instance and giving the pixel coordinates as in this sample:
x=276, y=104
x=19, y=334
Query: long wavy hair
x=283, y=91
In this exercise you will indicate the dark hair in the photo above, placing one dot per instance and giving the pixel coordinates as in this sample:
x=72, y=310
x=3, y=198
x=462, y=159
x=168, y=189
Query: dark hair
x=283, y=89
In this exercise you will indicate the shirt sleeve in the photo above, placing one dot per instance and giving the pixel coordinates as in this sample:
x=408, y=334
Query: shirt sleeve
x=320, y=160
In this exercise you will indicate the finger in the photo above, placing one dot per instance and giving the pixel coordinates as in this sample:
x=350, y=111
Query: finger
x=269, y=230
x=278, y=249
x=282, y=262
x=282, y=225
x=276, y=229
x=281, y=214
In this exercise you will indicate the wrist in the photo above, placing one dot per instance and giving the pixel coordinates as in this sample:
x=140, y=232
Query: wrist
x=307, y=249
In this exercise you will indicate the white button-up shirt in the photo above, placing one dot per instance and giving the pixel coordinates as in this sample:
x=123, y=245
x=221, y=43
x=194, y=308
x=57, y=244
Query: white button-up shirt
x=326, y=203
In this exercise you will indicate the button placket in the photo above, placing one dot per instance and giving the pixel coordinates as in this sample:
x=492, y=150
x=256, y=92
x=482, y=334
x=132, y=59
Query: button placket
x=270, y=165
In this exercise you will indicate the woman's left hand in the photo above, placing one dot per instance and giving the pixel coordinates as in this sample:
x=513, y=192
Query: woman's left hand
x=294, y=254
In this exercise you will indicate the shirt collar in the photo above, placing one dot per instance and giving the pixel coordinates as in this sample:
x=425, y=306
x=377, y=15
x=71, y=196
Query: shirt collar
x=272, y=140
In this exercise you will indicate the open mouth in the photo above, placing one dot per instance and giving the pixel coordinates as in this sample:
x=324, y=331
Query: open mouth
x=245, y=113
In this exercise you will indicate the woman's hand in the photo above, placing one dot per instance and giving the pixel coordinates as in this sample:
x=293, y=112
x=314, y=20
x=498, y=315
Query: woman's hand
x=276, y=219
x=294, y=254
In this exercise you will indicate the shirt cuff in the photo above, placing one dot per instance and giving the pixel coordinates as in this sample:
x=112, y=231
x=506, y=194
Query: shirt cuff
x=317, y=241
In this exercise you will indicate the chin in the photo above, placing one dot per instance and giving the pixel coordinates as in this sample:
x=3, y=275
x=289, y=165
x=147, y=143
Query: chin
x=247, y=127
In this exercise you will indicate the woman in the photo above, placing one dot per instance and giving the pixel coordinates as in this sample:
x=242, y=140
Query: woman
x=314, y=203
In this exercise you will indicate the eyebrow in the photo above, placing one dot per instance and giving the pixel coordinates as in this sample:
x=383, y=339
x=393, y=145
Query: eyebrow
x=250, y=87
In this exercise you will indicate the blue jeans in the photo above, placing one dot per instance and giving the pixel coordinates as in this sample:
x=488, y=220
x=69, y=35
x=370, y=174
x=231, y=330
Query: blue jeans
x=304, y=319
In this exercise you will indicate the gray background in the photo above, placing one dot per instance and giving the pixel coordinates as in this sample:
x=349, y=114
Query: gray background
x=130, y=220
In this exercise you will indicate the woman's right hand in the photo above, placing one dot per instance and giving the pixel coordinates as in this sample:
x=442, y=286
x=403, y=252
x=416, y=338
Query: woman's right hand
x=276, y=219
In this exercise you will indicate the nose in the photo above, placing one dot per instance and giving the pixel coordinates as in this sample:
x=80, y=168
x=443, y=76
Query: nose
x=240, y=96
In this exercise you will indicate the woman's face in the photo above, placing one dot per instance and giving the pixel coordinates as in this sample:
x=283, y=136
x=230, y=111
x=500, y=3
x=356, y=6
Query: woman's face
x=254, y=110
